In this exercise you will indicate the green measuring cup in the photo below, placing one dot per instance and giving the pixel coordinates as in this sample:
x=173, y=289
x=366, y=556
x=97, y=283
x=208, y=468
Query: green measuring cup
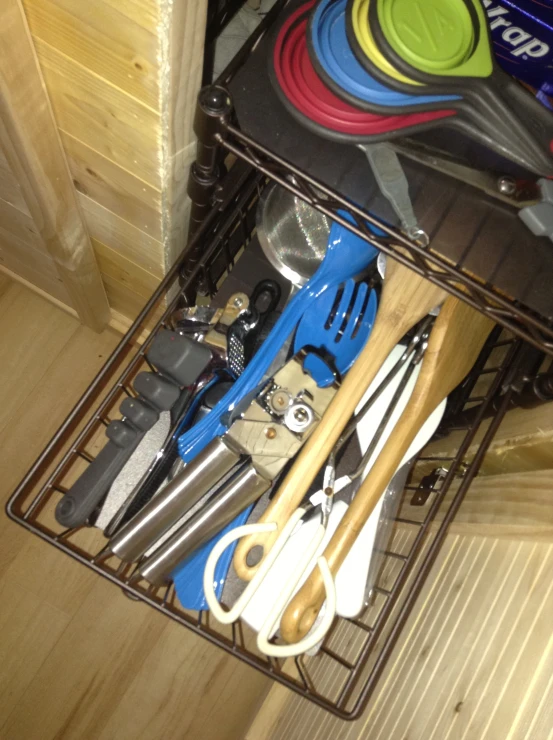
x=446, y=43
x=482, y=117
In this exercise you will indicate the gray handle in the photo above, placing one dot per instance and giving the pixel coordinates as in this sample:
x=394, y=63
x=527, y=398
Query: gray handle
x=182, y=361
x=87, y=492
x=529, y=121
x=539, y=217
x=393, y=185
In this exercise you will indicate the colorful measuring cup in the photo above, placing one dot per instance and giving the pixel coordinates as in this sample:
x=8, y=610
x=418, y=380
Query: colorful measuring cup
x=446, y=44
x=336, y=64
x=309, y=100
x=483, y=116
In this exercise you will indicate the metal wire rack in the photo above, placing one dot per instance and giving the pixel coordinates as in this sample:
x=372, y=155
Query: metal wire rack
x=370, y=638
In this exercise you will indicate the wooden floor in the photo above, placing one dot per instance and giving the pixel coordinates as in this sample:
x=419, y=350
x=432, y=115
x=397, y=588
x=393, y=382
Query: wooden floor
x=77, y=659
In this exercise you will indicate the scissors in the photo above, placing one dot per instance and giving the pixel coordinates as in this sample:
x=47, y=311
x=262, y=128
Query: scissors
x=300, y=571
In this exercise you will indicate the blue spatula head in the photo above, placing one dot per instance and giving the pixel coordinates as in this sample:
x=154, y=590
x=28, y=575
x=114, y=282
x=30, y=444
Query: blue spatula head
x=347, y=254
x=337, y=324
x=329, y=43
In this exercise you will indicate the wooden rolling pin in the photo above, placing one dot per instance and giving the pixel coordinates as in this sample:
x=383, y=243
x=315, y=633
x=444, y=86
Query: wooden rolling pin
x=455, y=342
x=406, y=299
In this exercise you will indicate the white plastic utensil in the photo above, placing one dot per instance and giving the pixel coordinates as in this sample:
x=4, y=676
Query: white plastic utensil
x=291, y=580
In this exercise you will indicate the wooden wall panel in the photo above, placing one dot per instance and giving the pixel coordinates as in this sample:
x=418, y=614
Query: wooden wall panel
x=134, y=244
x=22, y=251
x=513, y=506
x=122, y=76
x=128, y=286
x=183, y=70
x=10, y=189
x=473, y=662
x=121, y=50
x=113, y=187
x=20, y=224
x=101, y=115
x=33, y=264
x=30, y=142
x=524, y=442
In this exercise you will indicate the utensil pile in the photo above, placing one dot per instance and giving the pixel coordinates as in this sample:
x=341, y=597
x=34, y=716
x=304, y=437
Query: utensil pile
x=334, y=366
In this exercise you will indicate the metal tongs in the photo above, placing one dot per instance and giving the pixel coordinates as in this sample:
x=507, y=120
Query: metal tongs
x=413, y=354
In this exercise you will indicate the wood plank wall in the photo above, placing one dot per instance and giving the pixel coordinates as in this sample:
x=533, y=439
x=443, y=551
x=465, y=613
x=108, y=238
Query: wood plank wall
x=38, y=170
x=122, y=76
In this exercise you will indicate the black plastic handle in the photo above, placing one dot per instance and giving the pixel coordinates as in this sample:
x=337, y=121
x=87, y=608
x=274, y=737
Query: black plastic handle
x=269, y=288
x=243, y=334
x=527, y=119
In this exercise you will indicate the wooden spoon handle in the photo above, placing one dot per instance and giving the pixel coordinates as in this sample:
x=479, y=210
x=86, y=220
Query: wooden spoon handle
x=315, y=451
x=406, y=299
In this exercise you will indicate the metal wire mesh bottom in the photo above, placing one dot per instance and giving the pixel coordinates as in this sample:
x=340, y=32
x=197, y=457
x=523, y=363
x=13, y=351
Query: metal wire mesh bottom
x=360, y=647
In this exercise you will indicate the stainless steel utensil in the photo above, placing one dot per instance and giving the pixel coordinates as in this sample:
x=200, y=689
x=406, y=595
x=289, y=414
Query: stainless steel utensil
x=204, y=472
x=240, y=491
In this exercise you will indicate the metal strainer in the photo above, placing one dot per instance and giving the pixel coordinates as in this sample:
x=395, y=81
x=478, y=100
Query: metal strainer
x=292, y=234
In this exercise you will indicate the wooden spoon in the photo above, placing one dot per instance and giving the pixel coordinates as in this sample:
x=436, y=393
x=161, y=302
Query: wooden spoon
x=455, y=342
x=406, y=298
